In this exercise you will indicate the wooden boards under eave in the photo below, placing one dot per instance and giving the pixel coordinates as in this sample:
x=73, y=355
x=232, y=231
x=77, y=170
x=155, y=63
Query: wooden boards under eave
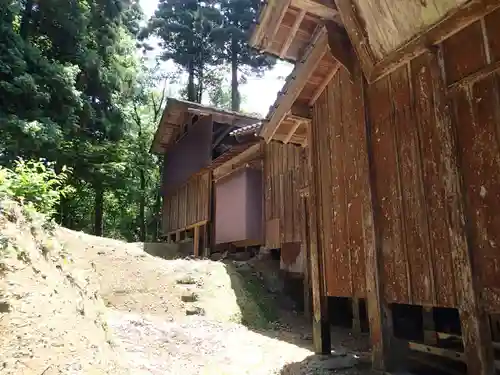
x=188, y=205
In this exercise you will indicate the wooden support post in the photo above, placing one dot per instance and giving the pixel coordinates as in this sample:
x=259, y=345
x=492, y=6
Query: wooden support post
x=430, y=333
x=196, y=241
x=177, y=236
x=320, y=323
x=379, y=313
x=356, y=321
x=307, y=263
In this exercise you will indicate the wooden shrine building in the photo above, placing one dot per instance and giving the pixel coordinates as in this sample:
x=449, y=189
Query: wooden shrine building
x=211, y=180
x=404, y=147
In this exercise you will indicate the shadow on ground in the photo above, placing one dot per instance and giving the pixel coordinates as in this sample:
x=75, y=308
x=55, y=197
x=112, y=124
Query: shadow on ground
x=169, y=250
x=337, y=363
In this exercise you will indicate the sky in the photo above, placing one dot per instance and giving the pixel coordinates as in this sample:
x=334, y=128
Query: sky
x=259, y=93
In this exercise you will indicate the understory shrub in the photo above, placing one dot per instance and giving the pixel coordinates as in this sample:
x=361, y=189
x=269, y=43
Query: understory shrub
x=35, y=184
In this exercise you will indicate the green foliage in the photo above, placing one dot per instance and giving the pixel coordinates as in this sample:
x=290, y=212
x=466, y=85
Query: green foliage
x=202, y=36
x=36, y=184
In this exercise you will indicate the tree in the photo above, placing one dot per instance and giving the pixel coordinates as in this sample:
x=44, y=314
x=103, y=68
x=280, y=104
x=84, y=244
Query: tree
x=184, y=28
x=232, y=40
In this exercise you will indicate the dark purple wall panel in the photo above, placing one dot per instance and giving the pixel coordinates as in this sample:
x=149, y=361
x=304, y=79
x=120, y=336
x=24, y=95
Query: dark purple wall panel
x=230, y=206
x=238, y=207
x=255, y=215
x=192, y=153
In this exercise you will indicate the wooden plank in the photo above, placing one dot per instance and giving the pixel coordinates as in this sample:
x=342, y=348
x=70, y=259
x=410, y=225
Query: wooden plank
x=276, y=17
x=292, y=131
x=442, y=352
x=379, y=313
x=323, y=84
x=315, y=8
x=433, y=163
x=292, y=33
x=455, y=21
x=307, y=257
x=324, y=197
x=302, y=72
x=260, y=30
x=474, y=77
x=320, y=324
x=356, y=321
x=355, y=178
x=419, y=260
x=387, y=190
x=339, y=275
x=475, y=329
x=196, y=241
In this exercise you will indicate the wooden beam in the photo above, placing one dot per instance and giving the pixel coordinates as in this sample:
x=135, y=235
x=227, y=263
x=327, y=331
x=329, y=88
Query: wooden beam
x=292, y=131
x=260, y=29
x=293, y=32
x=303, y=70
x=277, y=15
x=323, y=84
x=340, y=47
x=320, y=323
x=455, y=21
x=357, y=35
x=320, y=10
x=474, y=77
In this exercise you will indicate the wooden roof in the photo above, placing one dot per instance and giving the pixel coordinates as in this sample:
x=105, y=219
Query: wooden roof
x=245, y=155
x=285, y=27
x=229, y=155
x=179, y=112
x=289, y=117
x=384, y=33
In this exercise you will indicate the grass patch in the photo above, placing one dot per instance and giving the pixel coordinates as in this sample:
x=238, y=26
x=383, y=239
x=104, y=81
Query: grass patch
x=257, y=306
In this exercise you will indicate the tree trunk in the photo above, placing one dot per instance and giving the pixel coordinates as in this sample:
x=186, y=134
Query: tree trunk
x=200, y=83
x=64, y=213
x=191, y=87
x=98, y=211
x=142, y=208
x=25, y=19
x=157, y=206
x=235, y=94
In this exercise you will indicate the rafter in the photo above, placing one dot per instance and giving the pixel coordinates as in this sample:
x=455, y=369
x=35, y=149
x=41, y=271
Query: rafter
x=317, y=9
x=292, y=131
x=323, y=84
x=293, y=32
x=303, y=70
x=275, y=22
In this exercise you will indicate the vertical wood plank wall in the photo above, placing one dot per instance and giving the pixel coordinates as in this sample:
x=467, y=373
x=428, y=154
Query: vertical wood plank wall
x=188, y=205
x=340, y=147
x=434, y=128
x=285, y=173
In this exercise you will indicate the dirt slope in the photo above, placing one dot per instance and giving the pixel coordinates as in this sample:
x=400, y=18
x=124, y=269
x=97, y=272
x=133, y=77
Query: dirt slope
x=71, y=303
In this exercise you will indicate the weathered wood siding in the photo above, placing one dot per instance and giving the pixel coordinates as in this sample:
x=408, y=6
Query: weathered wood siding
x=476, y=113
x=188, y=205
x=435, y=139
x=285, y=174
x=339, y=147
